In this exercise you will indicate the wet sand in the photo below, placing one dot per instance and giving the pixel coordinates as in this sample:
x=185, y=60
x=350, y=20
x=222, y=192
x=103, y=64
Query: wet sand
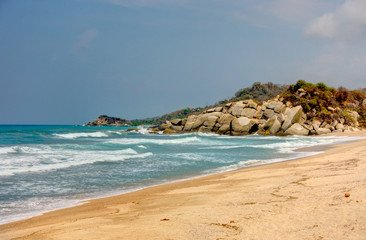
x=318, y=197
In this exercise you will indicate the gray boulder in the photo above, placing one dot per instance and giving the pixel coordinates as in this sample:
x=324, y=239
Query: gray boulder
x=272, y=125
x=270, y=104
x=176, y=121
x=210, y=122
x=164, y=126
x=190, y=123
x=237, y=108
x=268, y=113
x=241, y=126
x=252, y=104
x=197, y=121
x=280, y=107
x=248, y=112
x=176, y=128
x=292, y=116
x=320, y=131
x=225, y=121
x=297, y=129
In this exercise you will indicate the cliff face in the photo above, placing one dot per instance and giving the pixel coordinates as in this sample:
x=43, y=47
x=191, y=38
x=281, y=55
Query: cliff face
x=104, y=120
x=304, y=109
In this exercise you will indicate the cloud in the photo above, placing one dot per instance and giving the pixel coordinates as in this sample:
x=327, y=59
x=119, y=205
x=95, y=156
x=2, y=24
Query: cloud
x=85, y=38
x=143, y=3
x=297, y=10
x=339, y=64
x=83, y=43
x=347, y=22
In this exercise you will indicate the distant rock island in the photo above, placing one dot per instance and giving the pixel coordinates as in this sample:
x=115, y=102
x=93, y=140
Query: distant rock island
x=104, y=120
x=299, y=109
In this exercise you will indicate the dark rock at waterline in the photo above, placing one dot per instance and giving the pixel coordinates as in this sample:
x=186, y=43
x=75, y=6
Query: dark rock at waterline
x=104, y=120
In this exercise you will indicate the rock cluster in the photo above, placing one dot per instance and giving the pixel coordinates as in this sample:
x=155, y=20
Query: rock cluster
x=273, y=117
x=104, y=120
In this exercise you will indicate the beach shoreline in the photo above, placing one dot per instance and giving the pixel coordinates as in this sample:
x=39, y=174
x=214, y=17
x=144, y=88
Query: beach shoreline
x=183, y=209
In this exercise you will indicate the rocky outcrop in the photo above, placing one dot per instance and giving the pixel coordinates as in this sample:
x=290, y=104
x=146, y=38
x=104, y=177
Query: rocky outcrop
x=273, y=117
x=104, y=120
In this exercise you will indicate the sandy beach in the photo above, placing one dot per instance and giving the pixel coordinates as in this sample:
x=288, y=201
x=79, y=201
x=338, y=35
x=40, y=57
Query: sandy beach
x=318, y=197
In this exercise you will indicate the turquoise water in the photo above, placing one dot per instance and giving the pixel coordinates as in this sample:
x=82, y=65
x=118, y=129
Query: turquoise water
x=43, y=168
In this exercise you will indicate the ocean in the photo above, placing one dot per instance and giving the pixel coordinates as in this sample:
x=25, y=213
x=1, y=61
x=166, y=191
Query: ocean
x=43, y=168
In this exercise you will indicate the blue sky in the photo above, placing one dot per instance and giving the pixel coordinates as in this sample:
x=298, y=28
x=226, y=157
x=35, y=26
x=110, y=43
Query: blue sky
x=66, y=62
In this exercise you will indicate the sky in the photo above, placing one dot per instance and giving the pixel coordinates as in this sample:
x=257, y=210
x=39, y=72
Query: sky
x=67, y=62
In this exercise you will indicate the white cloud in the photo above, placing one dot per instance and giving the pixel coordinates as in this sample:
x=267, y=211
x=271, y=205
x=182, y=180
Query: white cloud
x=85, y=38
x=340, y=64
x=297, y=10
x=83, y=43
x=143, y=3
x=347, y=22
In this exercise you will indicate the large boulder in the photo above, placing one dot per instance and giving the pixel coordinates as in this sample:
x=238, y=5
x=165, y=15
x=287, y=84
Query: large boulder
x=210, y=122
x=176, y=128
x=204, y=129
x=241, y=126
x=248, y=112
x=190, y=123
x=252, y=104
x=297, y=129
x=293, y=116
x=218, y=109
x=225, y=122
x=164, y=126
x=271, y=104
x=194, y=122
x=236, y=108
x=268, y=113
x=320, y=131
x=176, y=122
x=280, y=107
x=272, y=125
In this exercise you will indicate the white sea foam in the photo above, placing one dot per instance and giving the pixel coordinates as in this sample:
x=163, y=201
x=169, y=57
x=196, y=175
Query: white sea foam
x=81, y=135
x=126, y=141
x=52, y=160
x=143, y=130
x=23, y=149
x=7, y=150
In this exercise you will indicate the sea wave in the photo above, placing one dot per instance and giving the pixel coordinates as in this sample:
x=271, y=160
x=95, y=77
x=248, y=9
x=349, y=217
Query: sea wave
x=7, y=150
x=129, y=141
x=81, y=135
x=65, y=159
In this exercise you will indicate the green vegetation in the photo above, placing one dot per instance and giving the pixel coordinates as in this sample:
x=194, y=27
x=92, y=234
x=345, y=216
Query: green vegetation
x=318, y=99
x=183, y=113
x=259, y=92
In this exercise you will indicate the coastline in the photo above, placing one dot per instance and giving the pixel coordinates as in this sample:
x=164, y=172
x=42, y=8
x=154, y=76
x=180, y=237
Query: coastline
x=237, y=204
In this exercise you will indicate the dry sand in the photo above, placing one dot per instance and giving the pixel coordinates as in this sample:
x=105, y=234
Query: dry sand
x=301, y=199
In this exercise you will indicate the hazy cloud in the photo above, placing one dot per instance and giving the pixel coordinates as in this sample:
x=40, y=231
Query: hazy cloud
x=338, y=64
x=297, y=10
x=85, y=38
x=347, y=22
x=143, y=3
